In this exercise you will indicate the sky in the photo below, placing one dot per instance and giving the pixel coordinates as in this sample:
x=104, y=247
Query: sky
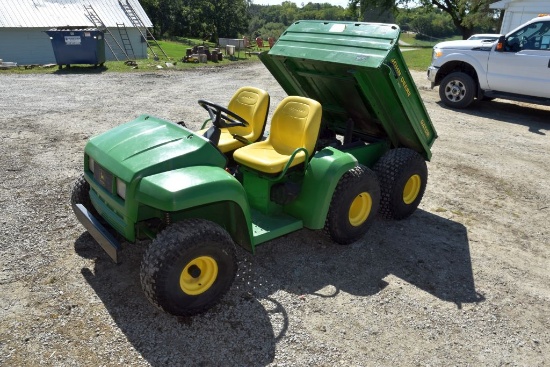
x=342, y=3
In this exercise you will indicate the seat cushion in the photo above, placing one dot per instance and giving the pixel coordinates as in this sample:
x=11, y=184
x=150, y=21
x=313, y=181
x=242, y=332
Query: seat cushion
x=227, y=142
x=262, y=157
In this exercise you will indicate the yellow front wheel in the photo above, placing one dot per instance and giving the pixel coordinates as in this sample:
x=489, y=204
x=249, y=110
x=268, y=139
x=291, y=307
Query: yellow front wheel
x=188, y=267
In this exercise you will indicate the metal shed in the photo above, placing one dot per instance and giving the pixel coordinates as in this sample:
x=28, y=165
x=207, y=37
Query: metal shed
x=23, y=22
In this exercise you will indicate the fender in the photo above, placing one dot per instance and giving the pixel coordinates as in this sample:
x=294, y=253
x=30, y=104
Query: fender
x=189, y=188
x=320, y=180
x=467, y=57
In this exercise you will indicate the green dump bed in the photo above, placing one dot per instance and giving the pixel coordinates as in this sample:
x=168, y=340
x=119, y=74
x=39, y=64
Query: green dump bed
x=356, y=71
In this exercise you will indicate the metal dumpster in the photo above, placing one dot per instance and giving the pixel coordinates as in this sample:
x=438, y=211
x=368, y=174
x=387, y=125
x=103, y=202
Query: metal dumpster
x=77, y=46
x=357, y=72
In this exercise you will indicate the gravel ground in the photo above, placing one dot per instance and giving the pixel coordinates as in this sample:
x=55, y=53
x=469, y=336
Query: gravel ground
x=464, y=281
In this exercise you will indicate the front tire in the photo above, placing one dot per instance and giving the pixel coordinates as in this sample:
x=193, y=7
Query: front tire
x=457, y=90
x=403, y=176
x=81, y=195
x=353, y=206
x=188, y=267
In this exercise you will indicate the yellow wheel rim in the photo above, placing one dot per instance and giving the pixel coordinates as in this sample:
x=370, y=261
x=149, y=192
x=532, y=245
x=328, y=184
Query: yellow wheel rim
x=198, y=275
x=360, y=209
x=412, y=188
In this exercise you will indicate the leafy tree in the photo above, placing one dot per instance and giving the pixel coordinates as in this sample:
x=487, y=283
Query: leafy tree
x=466, y=15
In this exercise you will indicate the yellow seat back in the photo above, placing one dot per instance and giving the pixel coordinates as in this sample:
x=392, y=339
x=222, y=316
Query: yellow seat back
x=295, y=124
x=252, y=104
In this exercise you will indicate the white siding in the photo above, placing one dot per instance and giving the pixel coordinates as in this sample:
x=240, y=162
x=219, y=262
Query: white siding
x=23, y=22
x=26, y=46
x=32, y=46
x=518, y=12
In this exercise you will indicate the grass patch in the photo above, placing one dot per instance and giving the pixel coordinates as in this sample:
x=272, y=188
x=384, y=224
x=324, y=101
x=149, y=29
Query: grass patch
x=418, y=59
x=412, y=41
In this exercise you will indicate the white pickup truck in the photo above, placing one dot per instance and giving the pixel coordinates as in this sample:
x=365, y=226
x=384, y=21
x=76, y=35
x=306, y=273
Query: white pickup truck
x=516, y=67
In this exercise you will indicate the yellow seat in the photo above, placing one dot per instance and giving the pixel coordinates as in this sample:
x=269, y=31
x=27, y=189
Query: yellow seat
x=295, y=124
x=252, y=104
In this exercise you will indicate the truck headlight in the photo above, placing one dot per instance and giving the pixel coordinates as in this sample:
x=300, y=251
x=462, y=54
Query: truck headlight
x=437, y=53
x=121, y=188
x=91, y=164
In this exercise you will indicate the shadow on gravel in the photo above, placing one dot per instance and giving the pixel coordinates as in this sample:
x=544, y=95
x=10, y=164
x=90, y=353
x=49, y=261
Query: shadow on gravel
x=429, y=252
x=238, y=331
x=81, y=70
x=534, y=118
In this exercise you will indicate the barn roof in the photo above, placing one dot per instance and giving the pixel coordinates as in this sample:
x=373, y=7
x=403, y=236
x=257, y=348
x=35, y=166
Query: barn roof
x=60, y=13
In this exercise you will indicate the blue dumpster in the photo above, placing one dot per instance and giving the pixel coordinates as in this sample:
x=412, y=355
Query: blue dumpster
x=77, y=46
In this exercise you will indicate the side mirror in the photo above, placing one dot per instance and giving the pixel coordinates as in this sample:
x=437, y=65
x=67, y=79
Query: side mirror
x=500, y=44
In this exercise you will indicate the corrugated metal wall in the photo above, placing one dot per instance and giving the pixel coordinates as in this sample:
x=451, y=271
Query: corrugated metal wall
x=58, y=13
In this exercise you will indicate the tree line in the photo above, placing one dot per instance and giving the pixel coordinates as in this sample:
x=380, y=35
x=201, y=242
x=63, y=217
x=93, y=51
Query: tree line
x=212, y=19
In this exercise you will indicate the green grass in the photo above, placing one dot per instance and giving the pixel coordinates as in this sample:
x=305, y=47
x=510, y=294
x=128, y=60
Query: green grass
x=411, y=40
x=418, y=59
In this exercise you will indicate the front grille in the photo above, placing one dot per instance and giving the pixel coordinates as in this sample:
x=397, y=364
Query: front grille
x=104, y=177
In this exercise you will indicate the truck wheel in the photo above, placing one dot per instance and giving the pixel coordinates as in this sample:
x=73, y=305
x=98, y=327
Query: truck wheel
x=188, y=267
x=403, y=175
x=457, y=90
x=353, y=206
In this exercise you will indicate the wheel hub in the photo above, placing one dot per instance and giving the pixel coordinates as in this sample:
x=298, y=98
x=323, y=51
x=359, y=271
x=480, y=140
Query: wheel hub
x=455, y=90
x=412, y=189
x=198, y=275
x=360, y=209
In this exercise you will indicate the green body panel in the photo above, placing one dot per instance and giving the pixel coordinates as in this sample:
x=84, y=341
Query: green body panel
x=321, y=177
x=144, y=147
x=267, y=227
x=357, y=73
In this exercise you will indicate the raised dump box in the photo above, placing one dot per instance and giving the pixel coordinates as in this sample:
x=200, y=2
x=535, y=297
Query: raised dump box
x=357, y=73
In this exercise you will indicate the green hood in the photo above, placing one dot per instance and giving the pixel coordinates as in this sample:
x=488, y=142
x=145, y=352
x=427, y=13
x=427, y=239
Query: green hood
x=149, y=145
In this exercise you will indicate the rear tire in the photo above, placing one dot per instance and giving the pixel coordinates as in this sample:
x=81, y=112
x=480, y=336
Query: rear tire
x=188, y=267
x=353, y=206
x=457, y=90
x=403, y=176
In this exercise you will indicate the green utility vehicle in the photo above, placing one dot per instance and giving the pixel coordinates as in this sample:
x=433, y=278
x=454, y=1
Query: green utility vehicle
x=350, y=141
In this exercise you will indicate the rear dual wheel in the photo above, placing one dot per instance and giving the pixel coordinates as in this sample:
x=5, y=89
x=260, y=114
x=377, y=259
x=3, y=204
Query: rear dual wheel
x=403, y=176
x=353, y=206
x=188, y=267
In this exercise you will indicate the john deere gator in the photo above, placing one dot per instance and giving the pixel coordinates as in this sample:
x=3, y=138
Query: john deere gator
x=350, y=142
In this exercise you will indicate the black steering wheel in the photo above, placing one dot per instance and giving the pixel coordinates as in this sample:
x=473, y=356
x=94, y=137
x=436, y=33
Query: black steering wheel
x=221, y=116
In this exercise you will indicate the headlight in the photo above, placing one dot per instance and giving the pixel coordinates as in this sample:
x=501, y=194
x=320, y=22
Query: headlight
x=121, y=188
x=91, y=164
x=437, y=53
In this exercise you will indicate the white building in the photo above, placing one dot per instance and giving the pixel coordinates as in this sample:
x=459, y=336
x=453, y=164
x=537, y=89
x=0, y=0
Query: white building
x=23, y=22
x=517, y=12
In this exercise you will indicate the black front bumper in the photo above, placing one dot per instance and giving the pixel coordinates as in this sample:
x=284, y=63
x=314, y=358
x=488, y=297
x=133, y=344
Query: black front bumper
x=105, y=239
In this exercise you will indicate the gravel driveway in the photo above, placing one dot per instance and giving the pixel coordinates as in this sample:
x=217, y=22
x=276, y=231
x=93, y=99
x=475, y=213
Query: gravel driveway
x=464, y=281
